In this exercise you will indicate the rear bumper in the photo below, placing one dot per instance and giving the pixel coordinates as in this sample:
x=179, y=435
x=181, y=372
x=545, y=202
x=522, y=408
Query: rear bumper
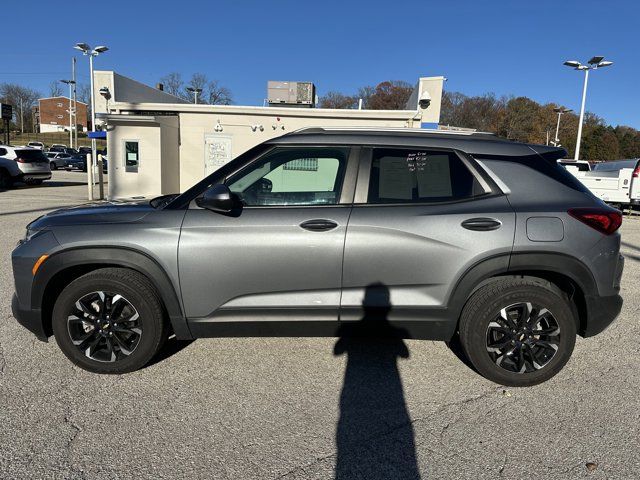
x=36, y=176
x=602, y=311
x=30, y=319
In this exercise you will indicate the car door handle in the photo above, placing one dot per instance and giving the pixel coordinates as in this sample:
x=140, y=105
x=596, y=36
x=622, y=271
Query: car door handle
x=482, y=224
x=319, y=225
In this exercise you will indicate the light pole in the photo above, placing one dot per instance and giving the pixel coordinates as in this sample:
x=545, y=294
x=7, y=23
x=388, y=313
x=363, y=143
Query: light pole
x=87, y=51
x=593, y=64
x=560, y=111
x=195, y=92
x=71, y=84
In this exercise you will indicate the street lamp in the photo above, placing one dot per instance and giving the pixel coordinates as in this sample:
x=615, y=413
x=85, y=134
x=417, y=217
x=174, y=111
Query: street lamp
x=87, y=51
x=195, y=92
x=72, y=112
x=560, y=111
x=593, y=64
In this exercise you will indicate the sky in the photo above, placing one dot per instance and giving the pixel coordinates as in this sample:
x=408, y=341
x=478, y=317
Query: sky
x=506, y=47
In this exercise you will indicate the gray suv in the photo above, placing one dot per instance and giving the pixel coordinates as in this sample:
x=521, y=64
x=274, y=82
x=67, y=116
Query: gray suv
x=444, y=236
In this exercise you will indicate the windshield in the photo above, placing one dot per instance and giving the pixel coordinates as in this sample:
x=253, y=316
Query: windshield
x=616, y=165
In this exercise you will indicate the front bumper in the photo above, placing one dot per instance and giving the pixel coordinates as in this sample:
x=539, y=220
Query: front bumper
x=30, y=319
x=602, y=311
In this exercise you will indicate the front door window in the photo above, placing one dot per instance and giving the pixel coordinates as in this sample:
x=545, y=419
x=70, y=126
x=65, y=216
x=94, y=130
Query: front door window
x=311, y=176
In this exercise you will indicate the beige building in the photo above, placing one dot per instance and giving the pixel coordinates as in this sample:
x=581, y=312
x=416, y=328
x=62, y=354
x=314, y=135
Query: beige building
x=160, y=144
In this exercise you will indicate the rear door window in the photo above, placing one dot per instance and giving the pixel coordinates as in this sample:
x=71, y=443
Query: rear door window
x=419, y=176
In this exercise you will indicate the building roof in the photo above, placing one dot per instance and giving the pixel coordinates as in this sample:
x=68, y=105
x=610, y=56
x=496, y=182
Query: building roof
x=60, y=97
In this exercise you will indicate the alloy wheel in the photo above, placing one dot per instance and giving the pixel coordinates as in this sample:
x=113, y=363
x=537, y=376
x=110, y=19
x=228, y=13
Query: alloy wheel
x=523, y=338
x=105, y=326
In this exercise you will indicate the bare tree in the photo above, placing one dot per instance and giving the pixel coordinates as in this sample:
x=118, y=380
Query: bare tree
x=198, y=81
x=83, y=94
x=173, y=84
x=365, y=93
x=337, y=100
x=217, y=94
x=22, y=99
x=54, y=89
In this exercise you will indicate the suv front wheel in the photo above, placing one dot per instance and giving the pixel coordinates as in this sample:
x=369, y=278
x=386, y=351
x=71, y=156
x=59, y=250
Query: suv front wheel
x=518, y=331
x=110, y=320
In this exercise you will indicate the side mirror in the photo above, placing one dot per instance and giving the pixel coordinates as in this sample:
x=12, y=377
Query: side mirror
x=217, y=199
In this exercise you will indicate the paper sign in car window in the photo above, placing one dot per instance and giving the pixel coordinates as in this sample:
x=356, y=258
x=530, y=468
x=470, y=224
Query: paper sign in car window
x=434, y=176
x=396, y=180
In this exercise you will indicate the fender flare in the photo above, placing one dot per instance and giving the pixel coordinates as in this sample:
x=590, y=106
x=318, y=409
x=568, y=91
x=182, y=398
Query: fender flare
x=505, y=264
x=114, y=257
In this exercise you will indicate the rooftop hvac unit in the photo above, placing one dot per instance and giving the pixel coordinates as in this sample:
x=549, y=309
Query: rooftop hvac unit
x=291, y=94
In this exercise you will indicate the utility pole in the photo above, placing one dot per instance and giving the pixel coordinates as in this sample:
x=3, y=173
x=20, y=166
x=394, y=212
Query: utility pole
x=21, y=117
x=75, y=102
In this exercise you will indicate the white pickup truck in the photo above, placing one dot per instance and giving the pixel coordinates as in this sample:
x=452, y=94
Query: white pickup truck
x=616, y=182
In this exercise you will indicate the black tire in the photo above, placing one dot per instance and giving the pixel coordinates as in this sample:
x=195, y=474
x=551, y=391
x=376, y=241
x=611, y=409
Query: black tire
x=138, y=292
x=53, y=165
x=5, y=179
x=483, y=327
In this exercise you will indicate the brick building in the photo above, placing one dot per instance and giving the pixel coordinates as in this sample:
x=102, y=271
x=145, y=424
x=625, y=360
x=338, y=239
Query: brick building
x=52, y=115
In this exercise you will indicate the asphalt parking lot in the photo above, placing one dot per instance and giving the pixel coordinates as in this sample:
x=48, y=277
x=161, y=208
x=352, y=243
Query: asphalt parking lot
x=270, y=408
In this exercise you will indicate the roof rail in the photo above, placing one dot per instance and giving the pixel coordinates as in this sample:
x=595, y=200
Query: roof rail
x=419, y=131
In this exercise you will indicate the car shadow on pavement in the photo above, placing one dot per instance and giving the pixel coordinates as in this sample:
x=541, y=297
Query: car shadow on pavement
x=170, y=348
x=375, y=437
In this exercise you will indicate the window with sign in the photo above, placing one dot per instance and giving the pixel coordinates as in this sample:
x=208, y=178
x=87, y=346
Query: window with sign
x=309, y=176
x=131, y=156
x=419, y=176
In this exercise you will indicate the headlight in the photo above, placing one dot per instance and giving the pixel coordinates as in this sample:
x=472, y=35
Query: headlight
x=31, y=232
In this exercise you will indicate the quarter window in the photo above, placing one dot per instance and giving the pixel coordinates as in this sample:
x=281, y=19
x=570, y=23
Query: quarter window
x=311, y=176
x=419, y=176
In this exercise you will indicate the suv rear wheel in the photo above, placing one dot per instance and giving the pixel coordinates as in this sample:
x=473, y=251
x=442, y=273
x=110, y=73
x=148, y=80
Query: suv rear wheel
x=109, y=321
x=518, y=331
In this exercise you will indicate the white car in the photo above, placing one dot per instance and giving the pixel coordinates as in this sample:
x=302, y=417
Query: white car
x=38, y=145
x=32, y=162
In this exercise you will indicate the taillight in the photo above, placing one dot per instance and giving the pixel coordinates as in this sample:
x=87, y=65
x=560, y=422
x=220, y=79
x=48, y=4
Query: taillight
x=20, y=160
x=604, y=220
x=636, y=171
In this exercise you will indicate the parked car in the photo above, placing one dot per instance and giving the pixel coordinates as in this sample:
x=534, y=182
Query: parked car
x=32, y=162
x=76, y=162
x=616, y=182
x=322, y=231
x=57, y=159
x=55, y=149
x=9, y=173
x=38, y=145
